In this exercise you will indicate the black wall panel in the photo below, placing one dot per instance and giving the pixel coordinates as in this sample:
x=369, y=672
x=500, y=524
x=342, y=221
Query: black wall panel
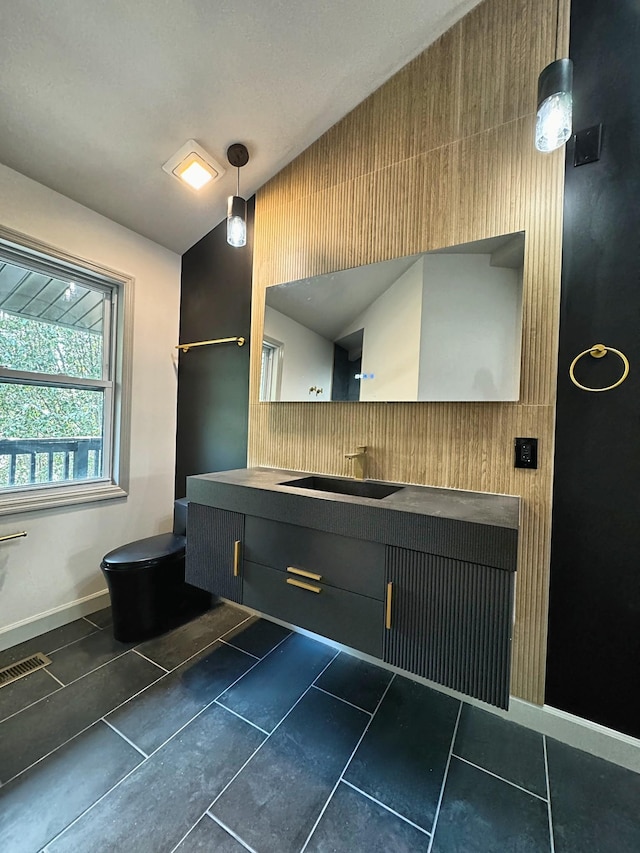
x=593, y=665
x=213, y=381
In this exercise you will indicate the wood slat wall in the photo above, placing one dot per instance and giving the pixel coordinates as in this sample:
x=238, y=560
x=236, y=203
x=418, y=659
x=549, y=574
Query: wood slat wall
x=441, y=154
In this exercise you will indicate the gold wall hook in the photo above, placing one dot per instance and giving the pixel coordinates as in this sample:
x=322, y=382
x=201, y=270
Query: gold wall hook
x=186, y=347
x=599, y=351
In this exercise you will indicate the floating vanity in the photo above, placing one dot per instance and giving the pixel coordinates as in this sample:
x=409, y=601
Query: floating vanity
x=420, y=577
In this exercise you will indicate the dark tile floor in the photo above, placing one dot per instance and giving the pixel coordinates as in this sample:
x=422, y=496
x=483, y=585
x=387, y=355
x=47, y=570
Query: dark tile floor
x=232, y=734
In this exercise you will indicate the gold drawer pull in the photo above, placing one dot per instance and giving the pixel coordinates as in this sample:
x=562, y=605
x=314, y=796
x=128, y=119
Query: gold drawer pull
x=236, y=558
x=387, y=621
x=304, y=573
x=304, y=585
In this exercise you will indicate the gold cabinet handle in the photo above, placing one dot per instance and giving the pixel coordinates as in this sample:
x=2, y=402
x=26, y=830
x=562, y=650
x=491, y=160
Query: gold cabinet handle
x=236, y=558
x=304, y=585
x=304, y=573
x=387, y=618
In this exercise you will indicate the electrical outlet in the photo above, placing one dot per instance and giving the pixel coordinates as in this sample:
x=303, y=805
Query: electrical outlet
x=526, y=453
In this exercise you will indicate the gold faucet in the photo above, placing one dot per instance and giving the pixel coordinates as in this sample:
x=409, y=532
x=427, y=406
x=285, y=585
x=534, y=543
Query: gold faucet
x=358, y=461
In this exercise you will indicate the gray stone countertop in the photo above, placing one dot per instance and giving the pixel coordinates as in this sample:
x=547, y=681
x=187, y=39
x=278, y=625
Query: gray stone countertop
x=457, y=504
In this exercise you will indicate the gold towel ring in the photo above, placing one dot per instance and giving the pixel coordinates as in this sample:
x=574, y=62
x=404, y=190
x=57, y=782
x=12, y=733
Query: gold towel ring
x=599, y=351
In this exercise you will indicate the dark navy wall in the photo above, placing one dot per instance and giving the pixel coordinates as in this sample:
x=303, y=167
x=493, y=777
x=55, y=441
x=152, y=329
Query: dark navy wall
x=213, y=381
x=593, y=667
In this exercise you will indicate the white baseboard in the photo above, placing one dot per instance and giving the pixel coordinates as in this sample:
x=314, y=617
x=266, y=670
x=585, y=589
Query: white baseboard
x=575, y=731
x=583, y=734
x=50, y=619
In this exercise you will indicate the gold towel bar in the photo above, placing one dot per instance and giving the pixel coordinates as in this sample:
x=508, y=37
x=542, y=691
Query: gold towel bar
x=13, y=536
x=186, y=347
x=599, y=351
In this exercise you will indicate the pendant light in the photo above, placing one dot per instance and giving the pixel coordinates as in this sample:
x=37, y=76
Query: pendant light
x=555, y=101
x=238, y=156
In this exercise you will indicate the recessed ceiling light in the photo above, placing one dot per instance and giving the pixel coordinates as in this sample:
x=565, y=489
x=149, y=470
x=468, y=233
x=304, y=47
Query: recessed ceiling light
x=193, y=166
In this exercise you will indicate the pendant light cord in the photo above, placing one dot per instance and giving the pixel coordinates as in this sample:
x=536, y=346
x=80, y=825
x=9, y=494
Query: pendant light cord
x=238, y=174
x=557, y=28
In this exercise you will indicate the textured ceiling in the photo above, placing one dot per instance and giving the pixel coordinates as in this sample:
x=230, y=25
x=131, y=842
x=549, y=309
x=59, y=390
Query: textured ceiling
x=95, y=96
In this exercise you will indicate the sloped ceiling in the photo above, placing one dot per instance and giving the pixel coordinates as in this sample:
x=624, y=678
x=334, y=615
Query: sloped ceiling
x=96, y=96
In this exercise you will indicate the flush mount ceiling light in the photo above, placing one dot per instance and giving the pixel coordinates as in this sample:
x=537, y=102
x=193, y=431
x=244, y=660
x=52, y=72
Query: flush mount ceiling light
x=555, y=101
x=238, y=156
x=193, y=166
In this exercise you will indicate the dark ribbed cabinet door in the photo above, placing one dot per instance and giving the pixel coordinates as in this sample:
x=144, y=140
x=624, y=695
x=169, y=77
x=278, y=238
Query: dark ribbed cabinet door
x=450, y=622
x=213, y=560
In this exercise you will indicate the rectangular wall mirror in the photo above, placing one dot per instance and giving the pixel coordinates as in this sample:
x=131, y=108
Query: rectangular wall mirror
x=442, y=325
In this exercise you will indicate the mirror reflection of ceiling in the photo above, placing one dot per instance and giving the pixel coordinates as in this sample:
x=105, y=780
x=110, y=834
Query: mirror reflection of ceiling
x=324, y=303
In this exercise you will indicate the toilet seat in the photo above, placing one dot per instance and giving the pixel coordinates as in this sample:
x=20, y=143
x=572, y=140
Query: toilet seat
x=145, y=553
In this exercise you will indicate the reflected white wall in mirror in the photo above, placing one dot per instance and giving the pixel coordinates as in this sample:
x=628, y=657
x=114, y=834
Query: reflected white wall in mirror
x=443, y=325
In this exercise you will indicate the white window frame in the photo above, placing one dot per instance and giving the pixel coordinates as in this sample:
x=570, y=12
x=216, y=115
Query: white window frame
x=24, y=251
x=271, y=370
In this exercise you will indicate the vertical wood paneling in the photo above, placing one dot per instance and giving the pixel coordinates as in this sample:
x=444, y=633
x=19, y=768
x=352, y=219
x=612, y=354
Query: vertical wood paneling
x=441, y=154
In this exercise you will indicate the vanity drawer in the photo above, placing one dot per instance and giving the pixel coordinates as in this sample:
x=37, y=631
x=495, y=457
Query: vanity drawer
x=350, y=564
x=345, y=617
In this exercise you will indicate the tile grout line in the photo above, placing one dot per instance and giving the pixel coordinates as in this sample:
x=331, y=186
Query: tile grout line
x=86, y=619
x=59, y=648
x=385, y=807
x=73, y=642
x=254, y=753
x=151, y=754
x=258, y=748
x=501, y=778
x=230, y=831
x=444, y=779
x=144, y=657
x=68, y=740
x=55, y=678
x=31, y=704
x=227, y=643
x=240, y=717
x=124, y=737
x=45, y=668
x=203, y=649
x=65, y=645
x=346, y=701
x=124, y=702
x=106, y=663
x=344, y=769
x=546, y=772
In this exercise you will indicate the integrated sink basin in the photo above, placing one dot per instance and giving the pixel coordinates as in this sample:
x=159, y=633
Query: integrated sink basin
x=357, y=488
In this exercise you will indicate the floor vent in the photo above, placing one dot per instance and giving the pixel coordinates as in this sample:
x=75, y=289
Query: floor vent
x=23, y=667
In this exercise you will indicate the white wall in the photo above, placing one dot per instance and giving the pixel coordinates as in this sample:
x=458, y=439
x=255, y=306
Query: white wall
x=307, y=361
x=471, y=326
x=391, y=340
x=58, y=563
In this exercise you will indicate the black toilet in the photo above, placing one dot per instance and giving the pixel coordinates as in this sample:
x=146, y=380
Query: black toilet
x=147, y=586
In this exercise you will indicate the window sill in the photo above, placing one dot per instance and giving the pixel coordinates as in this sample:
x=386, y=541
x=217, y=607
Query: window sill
x=29, y=500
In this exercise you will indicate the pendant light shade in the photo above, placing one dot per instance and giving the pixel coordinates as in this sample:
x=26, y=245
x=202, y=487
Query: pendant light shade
x=238, y=156
x=555, y=102
x=236, y=221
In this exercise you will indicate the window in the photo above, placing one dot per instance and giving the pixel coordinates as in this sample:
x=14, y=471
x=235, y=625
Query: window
x=63, y=350
x=271, y=372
